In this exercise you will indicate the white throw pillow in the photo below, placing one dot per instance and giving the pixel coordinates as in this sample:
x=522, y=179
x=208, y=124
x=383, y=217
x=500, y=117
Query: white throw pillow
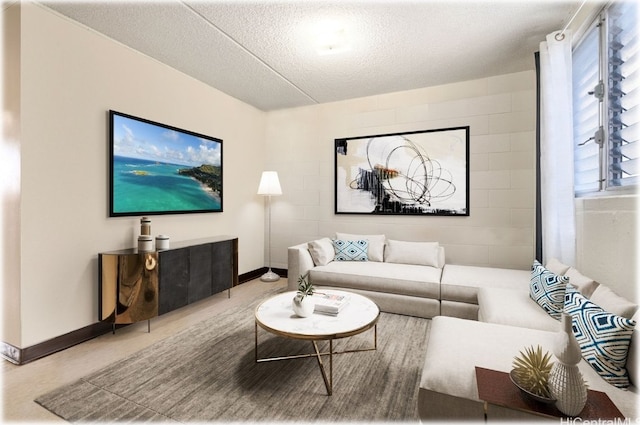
x=555, y=266
x=376, y=244
x=613, y=303
x=321, y=251
x=419, y=253
x=585, y=285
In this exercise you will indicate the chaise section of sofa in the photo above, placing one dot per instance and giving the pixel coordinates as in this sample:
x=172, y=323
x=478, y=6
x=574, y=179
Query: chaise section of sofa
x=514, y=306
x=448, y=386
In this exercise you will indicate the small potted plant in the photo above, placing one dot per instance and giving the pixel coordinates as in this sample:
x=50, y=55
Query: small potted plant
x=303, y=303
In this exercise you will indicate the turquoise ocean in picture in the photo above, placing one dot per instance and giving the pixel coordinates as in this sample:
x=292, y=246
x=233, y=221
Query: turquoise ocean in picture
x=143, y=185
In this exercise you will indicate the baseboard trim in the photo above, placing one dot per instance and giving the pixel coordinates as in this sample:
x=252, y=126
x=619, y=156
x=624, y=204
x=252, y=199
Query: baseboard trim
x=255, y=274
x=20, y=356
x=25, y=355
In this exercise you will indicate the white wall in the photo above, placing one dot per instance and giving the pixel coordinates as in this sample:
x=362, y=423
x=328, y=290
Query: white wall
x=501, y=113
x=606, y=234
x=70, y=78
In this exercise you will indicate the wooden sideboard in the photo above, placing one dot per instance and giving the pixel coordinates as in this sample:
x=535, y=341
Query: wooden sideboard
x=136, y=286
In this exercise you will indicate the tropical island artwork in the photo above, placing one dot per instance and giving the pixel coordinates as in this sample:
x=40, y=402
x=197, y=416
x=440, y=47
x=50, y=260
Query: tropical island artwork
x=159, y=169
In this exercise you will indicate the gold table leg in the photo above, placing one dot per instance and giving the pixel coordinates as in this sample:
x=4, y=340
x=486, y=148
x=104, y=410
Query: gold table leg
x=328, y=379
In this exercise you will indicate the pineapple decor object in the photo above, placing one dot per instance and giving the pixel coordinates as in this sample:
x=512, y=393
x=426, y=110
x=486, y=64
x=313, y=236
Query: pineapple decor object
x=530, y=373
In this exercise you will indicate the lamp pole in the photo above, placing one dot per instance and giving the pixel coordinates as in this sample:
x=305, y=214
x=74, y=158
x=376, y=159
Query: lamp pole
x=269, y=185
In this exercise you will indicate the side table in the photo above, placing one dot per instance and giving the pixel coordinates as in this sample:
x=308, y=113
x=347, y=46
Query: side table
x=495, y=388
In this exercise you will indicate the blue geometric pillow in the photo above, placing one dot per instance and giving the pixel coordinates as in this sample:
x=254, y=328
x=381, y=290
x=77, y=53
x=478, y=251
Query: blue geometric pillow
x=547, y=289
x=350, y=250
x=604, y=337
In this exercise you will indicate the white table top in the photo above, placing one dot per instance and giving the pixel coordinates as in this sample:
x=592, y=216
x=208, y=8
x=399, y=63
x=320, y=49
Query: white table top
x=276, y=315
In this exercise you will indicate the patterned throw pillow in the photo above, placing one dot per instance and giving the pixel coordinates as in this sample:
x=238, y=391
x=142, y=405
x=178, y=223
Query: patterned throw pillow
x=350, y=250
x=604, y=337
x=547, y=289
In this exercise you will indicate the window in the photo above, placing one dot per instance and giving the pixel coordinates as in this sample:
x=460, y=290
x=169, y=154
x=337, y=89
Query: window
x=606, y=80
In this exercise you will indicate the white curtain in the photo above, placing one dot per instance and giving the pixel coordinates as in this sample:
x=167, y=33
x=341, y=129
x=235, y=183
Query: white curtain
x=556, y=150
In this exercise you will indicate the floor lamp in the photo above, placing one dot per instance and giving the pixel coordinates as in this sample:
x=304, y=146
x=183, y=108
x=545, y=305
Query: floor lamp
x=269, y=186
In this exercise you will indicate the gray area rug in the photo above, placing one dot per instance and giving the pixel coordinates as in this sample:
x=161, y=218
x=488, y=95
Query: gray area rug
x=208, y=373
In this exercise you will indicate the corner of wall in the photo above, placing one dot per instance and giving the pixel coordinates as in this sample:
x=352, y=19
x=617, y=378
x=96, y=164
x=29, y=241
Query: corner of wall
x=10, y=246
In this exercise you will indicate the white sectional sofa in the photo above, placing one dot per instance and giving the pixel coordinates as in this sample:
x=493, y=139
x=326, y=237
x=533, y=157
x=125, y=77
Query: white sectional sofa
x=482, y=316
x=401, y=277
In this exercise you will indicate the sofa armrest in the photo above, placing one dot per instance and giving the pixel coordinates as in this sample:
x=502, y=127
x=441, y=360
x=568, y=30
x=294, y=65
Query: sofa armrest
x=299, y=263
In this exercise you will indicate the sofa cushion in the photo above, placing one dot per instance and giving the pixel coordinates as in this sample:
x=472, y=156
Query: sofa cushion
x=547, y=289
x=419, y=253
x=351, y=250
x=461, y=283
x=584, y=284
x=506, y=306
x=376, y=244
x=322, y=251
x=404, y=279
x=604, y=337
x=612, y=302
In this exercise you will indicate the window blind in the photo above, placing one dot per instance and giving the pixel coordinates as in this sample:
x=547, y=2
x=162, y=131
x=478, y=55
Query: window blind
x=624, y=91
x=586, y=113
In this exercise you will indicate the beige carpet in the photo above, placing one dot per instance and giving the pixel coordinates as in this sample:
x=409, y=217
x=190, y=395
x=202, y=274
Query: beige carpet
x=208, y=373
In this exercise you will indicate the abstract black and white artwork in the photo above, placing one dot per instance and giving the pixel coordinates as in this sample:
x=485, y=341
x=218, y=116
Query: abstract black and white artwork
x=412, y=173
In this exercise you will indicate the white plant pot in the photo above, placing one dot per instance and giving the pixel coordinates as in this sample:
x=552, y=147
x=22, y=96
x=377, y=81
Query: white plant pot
x=305, y=307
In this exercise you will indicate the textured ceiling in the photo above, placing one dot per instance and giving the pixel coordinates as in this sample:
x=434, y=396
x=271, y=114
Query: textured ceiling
x=264, y=52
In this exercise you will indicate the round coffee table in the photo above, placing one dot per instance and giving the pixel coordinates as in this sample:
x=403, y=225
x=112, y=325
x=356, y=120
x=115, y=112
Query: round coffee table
x=276, y=316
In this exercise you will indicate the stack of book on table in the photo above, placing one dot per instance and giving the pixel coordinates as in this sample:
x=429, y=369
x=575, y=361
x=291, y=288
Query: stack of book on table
x=330, y=304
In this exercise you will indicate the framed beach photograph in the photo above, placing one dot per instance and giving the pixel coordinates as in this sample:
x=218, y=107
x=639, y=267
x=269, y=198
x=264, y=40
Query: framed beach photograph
x=159, y=169
x=412, y=173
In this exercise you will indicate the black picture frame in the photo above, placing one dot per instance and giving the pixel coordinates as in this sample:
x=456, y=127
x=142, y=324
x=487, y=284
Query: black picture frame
x=413, y=173
x=156, y=168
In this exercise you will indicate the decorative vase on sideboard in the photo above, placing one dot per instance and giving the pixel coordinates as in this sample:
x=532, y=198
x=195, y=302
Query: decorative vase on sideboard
x=565, y=380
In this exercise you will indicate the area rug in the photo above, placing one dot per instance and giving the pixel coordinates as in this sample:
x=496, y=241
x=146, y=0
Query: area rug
x=208, y=373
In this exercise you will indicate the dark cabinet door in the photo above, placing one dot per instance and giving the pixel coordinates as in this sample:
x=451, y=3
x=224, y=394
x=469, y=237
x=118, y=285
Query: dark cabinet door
x=222, y=266
x=200, y=264
x=174, y=279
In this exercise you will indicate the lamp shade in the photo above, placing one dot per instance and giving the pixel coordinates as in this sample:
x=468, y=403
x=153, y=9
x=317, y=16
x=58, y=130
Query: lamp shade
x=269, y=184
